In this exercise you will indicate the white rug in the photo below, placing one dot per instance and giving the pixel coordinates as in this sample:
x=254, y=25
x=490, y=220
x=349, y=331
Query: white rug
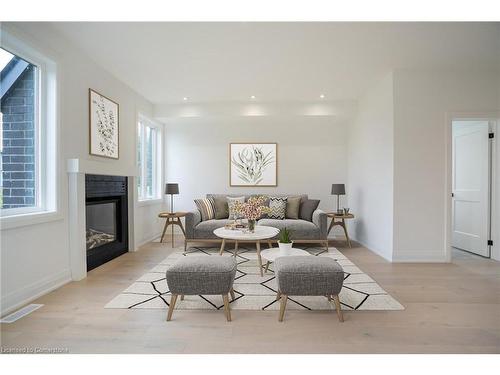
x=253, y=292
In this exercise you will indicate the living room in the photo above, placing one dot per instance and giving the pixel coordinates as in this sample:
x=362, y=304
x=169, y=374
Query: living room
x=166, y=189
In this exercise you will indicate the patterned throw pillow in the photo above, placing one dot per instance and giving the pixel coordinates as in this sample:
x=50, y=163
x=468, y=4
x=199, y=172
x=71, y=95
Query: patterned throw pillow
x=278, y=207
x=230, y=202
x=206, y=206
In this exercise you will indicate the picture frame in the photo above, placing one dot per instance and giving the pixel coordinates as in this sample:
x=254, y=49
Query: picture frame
x=253, y=164
x=104, y=126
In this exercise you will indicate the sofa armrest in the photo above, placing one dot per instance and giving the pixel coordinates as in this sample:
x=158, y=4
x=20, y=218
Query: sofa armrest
x=193, y=218
x=320, y=219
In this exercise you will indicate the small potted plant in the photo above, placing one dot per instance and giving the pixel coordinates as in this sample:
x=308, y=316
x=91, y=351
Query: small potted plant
x=285, y=243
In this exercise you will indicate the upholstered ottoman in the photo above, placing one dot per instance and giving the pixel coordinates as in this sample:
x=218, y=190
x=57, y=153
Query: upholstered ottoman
x=196, y=275
x=308, y=276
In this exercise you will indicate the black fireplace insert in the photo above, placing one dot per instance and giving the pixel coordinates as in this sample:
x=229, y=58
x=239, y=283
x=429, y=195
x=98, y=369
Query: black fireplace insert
x=106, y=216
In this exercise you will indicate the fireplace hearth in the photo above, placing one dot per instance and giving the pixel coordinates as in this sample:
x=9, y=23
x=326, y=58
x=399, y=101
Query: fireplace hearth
x=106, y=217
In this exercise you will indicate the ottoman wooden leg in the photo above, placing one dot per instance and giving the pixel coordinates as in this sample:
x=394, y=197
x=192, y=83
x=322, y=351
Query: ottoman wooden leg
x=232, y=294
x=171, y=307
x=336, y=299
x=278, y=295
x=227, y=311
x=284, y=297
x=267, y=267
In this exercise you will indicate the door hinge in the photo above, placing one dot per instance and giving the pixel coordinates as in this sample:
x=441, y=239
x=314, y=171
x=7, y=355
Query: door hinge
x=490, y=242
x=491, y=135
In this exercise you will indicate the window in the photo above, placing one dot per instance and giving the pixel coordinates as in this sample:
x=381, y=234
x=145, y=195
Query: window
x=148, y=160
x=28, y=130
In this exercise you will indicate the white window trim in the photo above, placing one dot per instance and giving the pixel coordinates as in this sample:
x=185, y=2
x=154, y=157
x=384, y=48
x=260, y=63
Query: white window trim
x=46, y=142
x=158, y=162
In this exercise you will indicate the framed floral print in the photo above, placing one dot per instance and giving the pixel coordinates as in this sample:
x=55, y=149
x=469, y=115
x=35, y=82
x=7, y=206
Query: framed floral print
x=253, y=164
x=104, y=130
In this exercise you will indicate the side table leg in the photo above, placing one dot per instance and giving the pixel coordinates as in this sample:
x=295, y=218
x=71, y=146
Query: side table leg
x=172, y=234
x=345, y=231
x=164, y=230
x=259, y=257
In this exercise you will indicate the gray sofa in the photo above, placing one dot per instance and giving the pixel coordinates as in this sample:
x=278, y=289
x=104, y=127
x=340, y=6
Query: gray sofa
x=303, y=231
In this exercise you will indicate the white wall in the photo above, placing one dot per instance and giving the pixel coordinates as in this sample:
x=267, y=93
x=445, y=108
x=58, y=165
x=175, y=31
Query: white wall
x=312, y=153
x=422, y=102
x=370, y=182
x=35, y=258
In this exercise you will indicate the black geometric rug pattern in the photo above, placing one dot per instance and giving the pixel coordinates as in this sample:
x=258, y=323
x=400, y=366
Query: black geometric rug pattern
x=252, y=291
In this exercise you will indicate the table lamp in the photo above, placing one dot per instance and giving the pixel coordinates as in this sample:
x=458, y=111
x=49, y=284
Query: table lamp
x=171, y=189
x=338, y=190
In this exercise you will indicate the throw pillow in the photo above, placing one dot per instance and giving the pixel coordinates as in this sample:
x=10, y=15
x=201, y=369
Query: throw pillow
x=206, y=206
x=307, y=208
x=278, y=207
x=230, y=202
x=221, y=207
x=292, y=207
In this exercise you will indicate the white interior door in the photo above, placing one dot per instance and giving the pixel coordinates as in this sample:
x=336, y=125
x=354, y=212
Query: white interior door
x=470, y=209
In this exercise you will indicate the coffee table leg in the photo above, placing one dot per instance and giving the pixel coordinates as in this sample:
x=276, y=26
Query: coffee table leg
x=222, y=246
x=259, y=257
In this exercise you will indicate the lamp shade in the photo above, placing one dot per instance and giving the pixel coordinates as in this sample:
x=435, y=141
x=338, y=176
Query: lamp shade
x=172, y=189
x=338, y=189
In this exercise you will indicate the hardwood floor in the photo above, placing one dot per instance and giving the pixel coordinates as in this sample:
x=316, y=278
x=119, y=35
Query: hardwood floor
x=450, y=308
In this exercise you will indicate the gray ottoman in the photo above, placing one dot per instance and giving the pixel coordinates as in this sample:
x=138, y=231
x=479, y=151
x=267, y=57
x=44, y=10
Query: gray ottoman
x=308, y=276
x=195, y=275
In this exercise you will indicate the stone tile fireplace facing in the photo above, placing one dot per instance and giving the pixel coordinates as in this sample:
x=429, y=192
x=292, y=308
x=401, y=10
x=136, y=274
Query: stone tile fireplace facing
x=106, y=218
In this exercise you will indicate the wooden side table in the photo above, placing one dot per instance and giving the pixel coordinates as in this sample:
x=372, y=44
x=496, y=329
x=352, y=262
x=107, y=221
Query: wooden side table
x=340, y=222
x=172, y=218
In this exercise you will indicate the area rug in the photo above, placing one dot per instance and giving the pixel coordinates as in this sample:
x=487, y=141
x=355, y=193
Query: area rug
x=254, y=292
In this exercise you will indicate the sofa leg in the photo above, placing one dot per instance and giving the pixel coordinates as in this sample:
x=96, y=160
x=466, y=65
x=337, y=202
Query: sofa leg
x=326, y=245
x=185, y=246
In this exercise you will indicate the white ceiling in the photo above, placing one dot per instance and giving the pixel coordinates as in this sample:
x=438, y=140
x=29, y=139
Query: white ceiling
x=212, y=62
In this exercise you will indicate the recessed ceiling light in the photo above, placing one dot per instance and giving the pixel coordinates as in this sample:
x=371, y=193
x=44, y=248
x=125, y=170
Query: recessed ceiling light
x=185, y=98
x=322, y=96
x=252, y=97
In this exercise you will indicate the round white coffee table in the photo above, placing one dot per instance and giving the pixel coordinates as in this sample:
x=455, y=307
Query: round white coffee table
x=259, y=234
x=270, y=255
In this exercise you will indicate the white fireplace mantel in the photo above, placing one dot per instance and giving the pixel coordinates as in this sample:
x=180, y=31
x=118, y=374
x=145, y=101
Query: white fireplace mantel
x=77, y=168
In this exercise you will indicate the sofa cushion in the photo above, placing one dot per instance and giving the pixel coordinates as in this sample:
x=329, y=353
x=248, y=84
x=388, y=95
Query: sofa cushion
x=292, y=207
x=277, y=207
x=300, y=229
x=221, y=207
x=205, y=229
x=307, y=208
x=231, y=202
x=206, y=206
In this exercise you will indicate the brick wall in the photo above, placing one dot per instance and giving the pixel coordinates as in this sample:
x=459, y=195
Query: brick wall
x=18, y=153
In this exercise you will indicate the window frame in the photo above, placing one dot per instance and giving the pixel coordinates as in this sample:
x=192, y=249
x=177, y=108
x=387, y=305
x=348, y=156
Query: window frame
x=157, y=177
x=45, y=138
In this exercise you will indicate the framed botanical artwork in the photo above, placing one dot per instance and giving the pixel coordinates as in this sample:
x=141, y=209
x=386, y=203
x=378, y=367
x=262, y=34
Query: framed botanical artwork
x=253, y=164
x=104, y=132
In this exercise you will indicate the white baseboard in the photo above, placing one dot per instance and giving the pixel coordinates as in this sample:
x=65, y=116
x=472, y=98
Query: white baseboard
x=25, y=295
x=374, y=250
x=146, y=240
x=420, y=257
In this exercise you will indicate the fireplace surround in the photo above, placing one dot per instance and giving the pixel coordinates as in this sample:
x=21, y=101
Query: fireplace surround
x=106, y=218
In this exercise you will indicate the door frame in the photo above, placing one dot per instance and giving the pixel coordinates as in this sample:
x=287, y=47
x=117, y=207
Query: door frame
x=495, y=184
